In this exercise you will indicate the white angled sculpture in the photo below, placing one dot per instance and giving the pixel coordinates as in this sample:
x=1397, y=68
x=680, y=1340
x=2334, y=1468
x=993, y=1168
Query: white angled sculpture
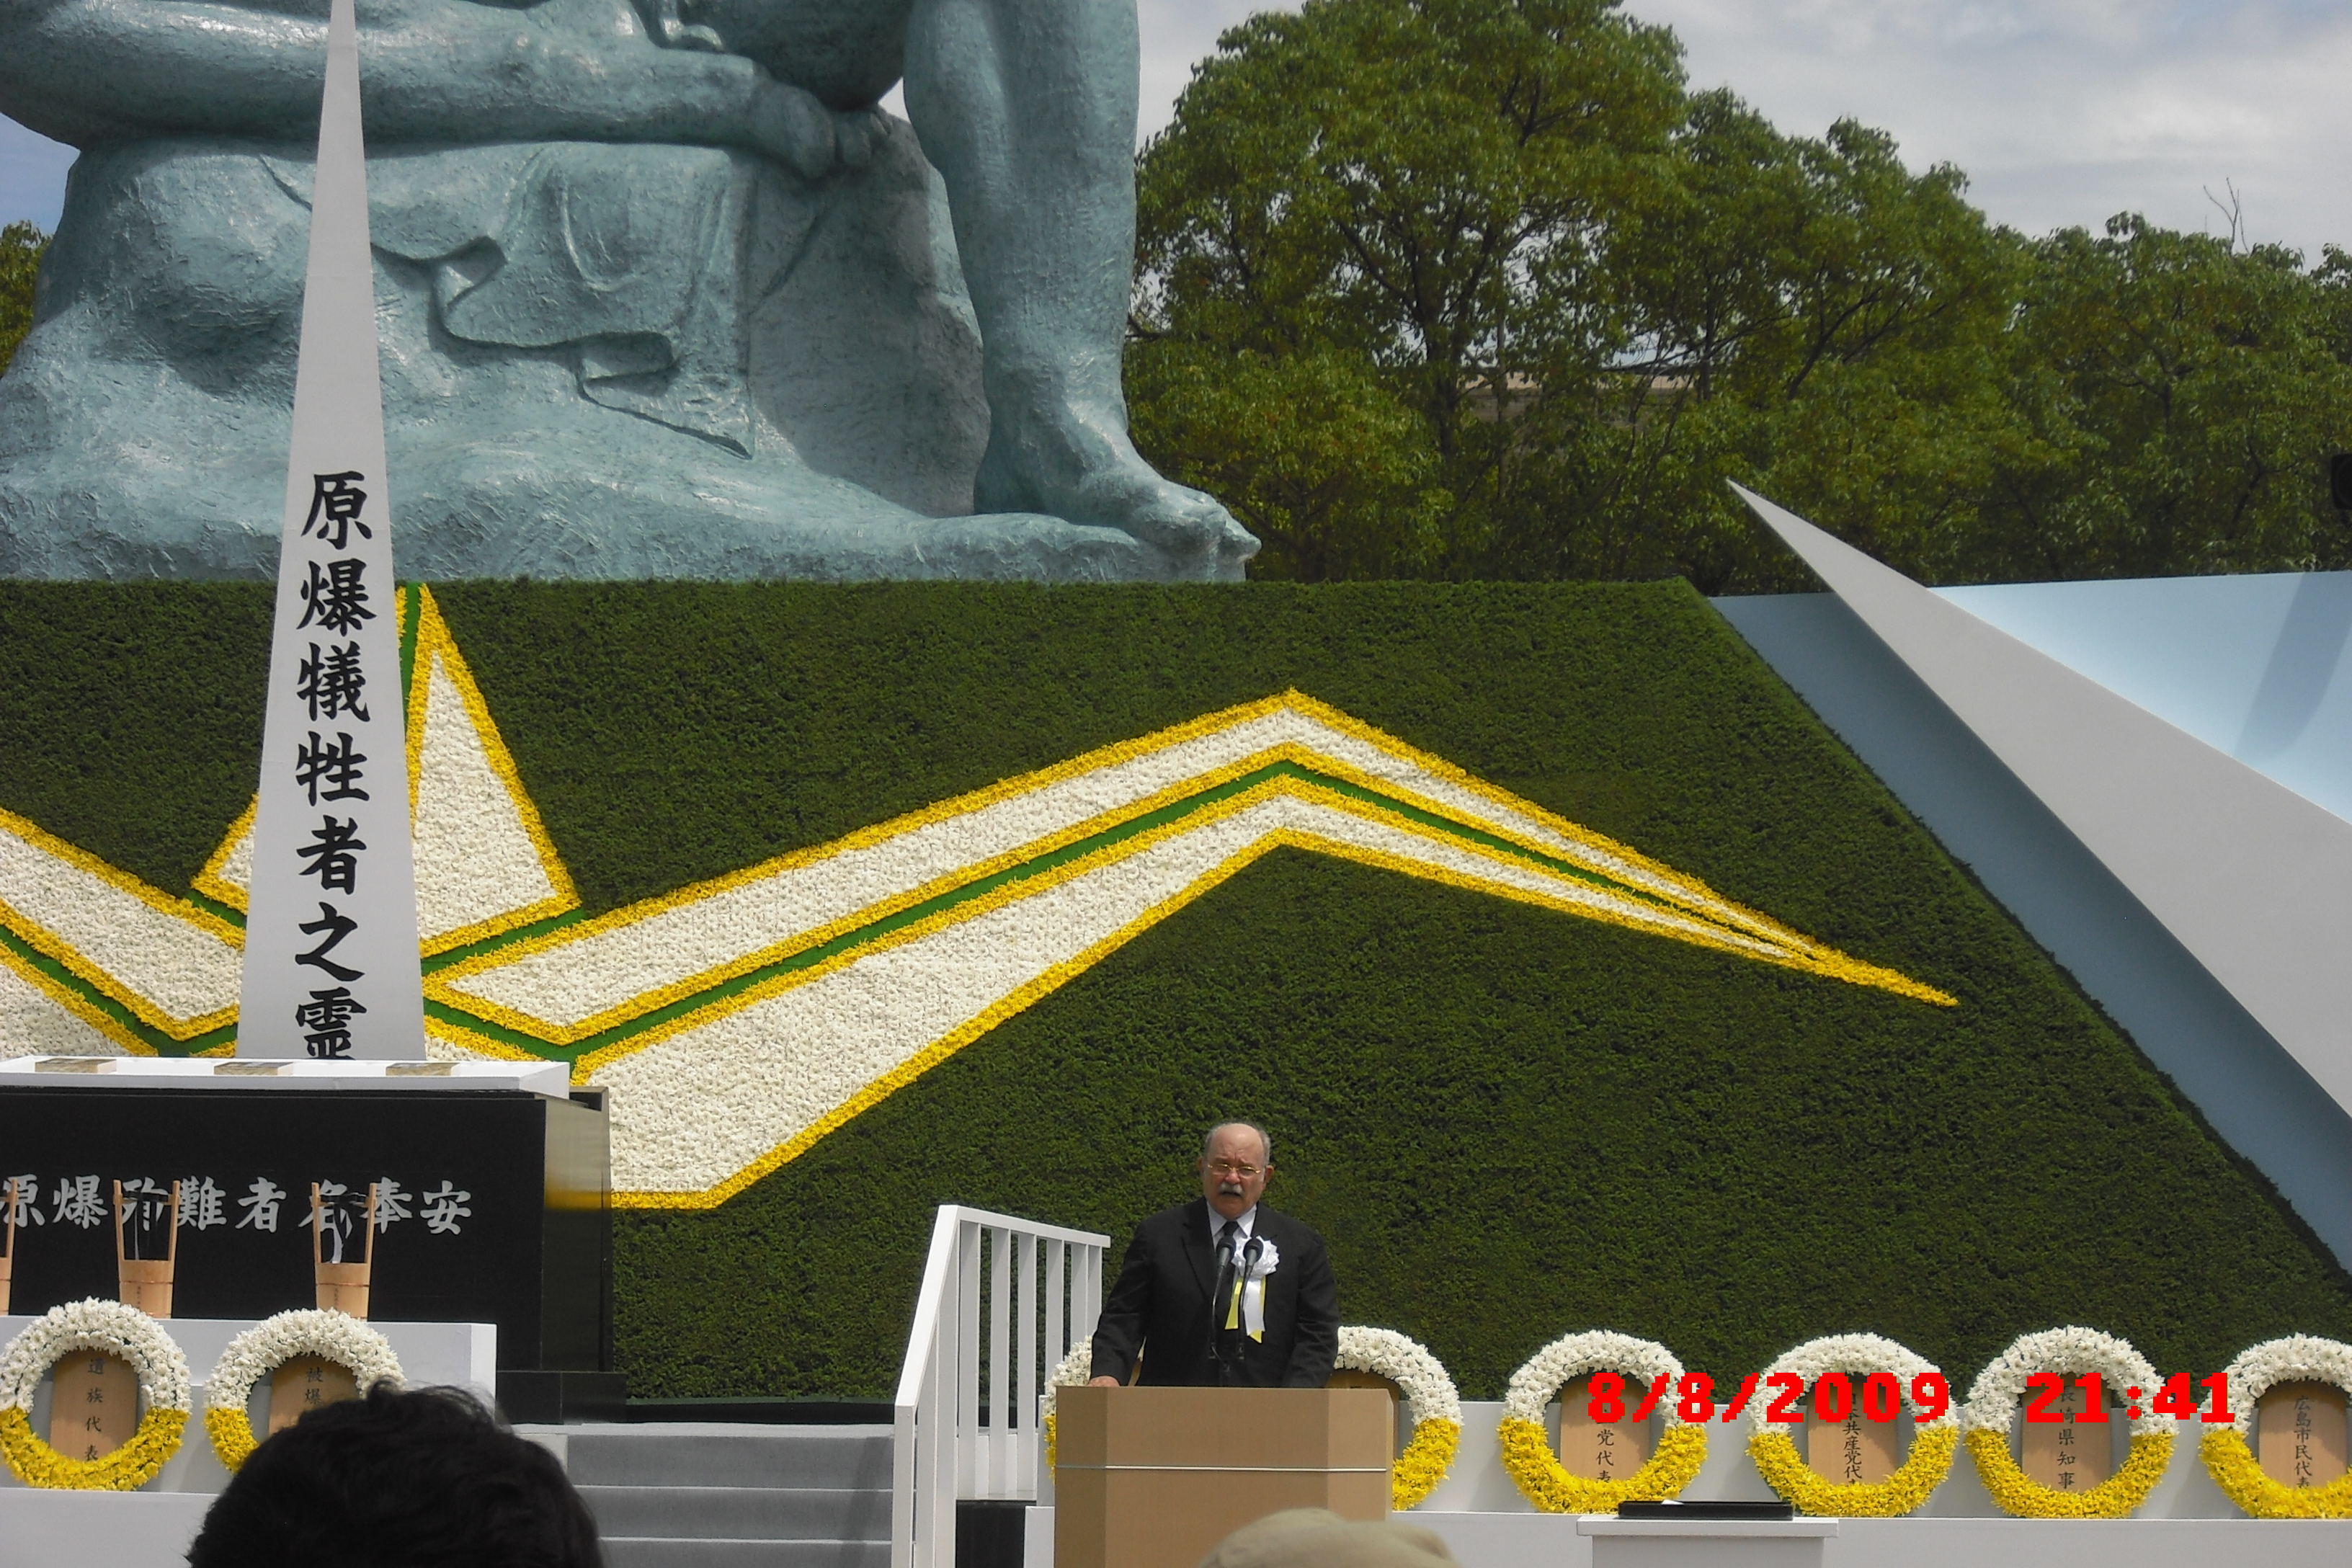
x=2250, y=876
x=330, y=952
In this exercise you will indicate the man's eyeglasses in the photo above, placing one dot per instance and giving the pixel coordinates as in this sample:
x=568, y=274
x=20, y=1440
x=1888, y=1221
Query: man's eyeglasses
x=1235, y=1168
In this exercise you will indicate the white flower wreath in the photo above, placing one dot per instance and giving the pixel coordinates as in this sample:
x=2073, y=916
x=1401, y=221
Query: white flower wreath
x=254, y=1354
x=120, y=1330
x=2230, y=1458
x=1993, y=1398
x=2261, y=1368
x=1526, y=1448
x=1775, y=1452
x=1431, y=1400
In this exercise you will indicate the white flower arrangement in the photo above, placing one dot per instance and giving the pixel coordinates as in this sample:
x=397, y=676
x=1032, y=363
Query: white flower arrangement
x=2298, y=1358
x=2230, y=1458
x=254, y=1354
x=1857, y=1355
x=1538, y=1382
x=1428, y=1387
x=175, y=965
x=1073, y=1371
x=735, y=1085
x=2067, y=1352
x=124, y=1332
x=1527, y=1449
x=1431, y=1401
x=2070, y=1352
x=1853, y=1355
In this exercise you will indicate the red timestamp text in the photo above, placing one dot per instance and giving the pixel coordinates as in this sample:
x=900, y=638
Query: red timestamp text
x=1880, y=1397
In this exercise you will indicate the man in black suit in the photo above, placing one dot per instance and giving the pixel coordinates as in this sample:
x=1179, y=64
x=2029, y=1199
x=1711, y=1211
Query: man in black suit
x=1222, y=1291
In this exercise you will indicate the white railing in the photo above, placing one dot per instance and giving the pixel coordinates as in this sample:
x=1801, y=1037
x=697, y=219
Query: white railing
x=1043, y=1288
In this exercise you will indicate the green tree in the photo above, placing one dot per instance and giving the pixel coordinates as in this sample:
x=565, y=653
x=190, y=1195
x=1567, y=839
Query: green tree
x=1388, y=215
x=1812, y=320
x=22, y=246
x=1474, y=288
x=2177, y=397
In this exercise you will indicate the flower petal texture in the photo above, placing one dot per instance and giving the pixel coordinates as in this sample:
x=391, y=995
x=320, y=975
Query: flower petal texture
x=269, y=1345
x=124, y=1332
x=1433, y=1405
x=738, y=1021
x=2070, y=1352
x=1536, y=1471
x=2229, y=1460
x=1784, y=1470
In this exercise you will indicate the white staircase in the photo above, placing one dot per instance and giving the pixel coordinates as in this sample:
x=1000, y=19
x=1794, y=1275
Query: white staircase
x=723, y=1495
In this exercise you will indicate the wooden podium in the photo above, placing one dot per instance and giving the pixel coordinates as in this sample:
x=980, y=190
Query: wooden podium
x=1154, y=1477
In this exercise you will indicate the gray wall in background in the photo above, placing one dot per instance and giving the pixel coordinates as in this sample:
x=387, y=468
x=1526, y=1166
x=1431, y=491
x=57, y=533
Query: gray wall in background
x=2252, y=1092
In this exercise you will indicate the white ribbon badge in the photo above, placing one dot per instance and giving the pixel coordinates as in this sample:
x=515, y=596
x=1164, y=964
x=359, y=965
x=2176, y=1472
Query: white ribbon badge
x=1253, y=1289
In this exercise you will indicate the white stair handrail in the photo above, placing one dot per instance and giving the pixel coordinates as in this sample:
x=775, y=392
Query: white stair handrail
x=957, y=1434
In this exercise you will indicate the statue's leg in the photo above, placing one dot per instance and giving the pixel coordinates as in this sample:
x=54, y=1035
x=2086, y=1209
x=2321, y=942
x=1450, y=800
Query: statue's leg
x=1027, y=107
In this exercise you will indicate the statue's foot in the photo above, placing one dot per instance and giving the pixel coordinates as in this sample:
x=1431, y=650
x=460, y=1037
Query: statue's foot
x=1089, y=472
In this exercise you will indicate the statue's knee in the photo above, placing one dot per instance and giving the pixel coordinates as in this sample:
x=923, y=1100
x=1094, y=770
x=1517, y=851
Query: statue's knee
x=187, y=252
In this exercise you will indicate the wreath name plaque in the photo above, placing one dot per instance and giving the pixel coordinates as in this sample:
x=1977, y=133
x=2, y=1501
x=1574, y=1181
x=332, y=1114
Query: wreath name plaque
x=2073, y=1454
x=1597, y=1450
x=93, y=1405
x=2300, y=1432
x=1853, y=1451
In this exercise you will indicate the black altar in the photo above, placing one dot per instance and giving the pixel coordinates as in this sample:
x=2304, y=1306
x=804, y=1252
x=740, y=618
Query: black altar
x=492, y=1207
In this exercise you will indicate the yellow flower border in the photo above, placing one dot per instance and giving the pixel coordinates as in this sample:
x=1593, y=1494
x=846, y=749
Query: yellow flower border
x=434, y=641
x=2232, y=1463
x=231, y=1432
x=127, y=1468
x=2016, y=1494
x=1545, y=1481
x=117, y=1329
x=1426, y=1457
x=1692, y=899
x=1922, y=1471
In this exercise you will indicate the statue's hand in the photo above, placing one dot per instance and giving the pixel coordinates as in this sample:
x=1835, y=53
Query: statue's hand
x=792, y=126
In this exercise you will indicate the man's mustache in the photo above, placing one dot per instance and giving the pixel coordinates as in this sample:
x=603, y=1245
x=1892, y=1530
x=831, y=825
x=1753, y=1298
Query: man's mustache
x=1230, y=1190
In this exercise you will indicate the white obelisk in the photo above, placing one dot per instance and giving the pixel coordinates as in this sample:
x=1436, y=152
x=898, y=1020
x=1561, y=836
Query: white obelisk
x=330, y=962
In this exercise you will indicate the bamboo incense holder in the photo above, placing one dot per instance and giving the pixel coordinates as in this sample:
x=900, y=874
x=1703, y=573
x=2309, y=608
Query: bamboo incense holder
x=343, y=1287
x=146, y=1282
x=8, y=1248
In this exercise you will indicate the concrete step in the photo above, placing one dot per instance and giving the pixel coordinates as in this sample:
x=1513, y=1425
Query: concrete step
x=746, y=1513
x=652, y=1552
x=728, y=1454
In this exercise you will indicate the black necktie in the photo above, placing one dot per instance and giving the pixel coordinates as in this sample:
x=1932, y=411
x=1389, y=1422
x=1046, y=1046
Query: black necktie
x=1228, y=1236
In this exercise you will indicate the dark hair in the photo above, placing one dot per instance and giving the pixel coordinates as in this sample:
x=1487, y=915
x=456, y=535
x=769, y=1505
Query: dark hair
x=420, y=1478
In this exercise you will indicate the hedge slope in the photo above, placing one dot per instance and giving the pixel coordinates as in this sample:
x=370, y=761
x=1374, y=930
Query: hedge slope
x=1508, y=1123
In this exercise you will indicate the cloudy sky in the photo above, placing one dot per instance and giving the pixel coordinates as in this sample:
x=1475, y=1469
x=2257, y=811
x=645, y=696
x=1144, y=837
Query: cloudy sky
x=2062, y=111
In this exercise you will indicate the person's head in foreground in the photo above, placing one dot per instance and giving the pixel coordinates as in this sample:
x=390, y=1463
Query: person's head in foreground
x=1317, y=1538
x=418, y=1477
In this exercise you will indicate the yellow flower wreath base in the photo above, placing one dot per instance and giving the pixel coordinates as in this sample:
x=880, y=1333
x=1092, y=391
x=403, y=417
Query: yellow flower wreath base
x=1545, y=1481
x=2114, y=1498
x=1426, y=1459
x=1785, y=1472
x=127, y=1468
x=2244, y=1481
x=232, y=1435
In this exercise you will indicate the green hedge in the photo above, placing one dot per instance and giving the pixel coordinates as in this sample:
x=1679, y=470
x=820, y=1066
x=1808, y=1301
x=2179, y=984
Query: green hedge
x=1508, y=1123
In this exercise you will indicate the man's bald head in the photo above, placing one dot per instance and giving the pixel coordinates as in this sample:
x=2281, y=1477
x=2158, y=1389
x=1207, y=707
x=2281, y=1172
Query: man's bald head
x=1265, y=1139
x=1236, y=1157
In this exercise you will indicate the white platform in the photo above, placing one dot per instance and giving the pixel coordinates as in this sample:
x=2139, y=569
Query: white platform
x=2185, y=1524
x=552, y=1080
x=150, y=1528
